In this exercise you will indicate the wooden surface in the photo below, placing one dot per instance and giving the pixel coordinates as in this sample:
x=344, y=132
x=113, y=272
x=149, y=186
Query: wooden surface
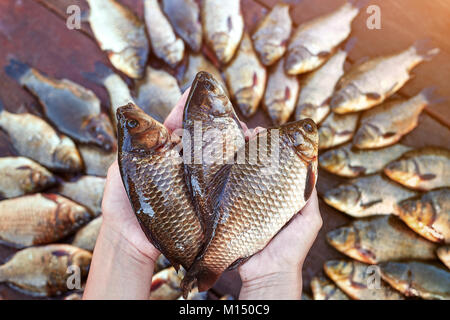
x=34, y=31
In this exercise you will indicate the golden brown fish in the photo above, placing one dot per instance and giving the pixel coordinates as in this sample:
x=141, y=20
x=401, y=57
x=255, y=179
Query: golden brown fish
x=386, y=124
x=118, y=91
x=97, y=161
x=324, y=289
x=367, y=196
x=166, y=285
x=313, y=42
x=71, y=108
x=360, y=281
x=223, y=27
x=214, y=136
x=274, y=181
x=45, y=270
x=34, y=138
x=197, y=63
x=87, y=191
x=418, y=279
x=272, y=34
x=423, y=169
x=21, y=175
x=246, y=77
x=153, y=175
x=281, y=94
x=444, y=254
x=428, y=214
x=161, y=264
x=86, y=237
x=318, y=87
x=370, y=83
x=185, y=18
x=40, y=219
x=349, y=162
x=337, y=129
x=158, y=93
x=121, y=34
x=379, y=239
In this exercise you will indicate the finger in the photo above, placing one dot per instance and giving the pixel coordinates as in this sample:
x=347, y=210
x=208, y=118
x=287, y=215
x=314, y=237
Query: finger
x=175, y=118
x=114, y=197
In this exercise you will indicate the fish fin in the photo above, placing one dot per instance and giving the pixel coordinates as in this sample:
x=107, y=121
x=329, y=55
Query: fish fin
x=427, y=177
x=431, y=96
x=238, y=263
x=358, y=169
x=344, y=133
x=310, y=182
x=425, y=49
x=197, y=273
x=323, y=54
x=16, y=69
x=389, y=134
x=373, y=96
x=370, y=204
x=359, y=4
x=350, y=44
x=99, y=75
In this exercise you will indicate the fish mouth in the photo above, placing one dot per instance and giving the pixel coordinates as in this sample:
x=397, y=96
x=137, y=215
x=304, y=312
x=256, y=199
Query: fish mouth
x=341, y=238
x=303, y=136
x=297, y=61
x=365, y=136
x=332, y=160
x=343, y=197
x=337, y=269
x=220, y=44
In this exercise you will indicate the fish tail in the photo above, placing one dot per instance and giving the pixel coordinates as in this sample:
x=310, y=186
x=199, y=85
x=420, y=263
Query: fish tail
x=197, y=273
x=99, y=75
x=430, y=95
x=359, y=4
x=16, y=69
x=350, y=44
x=425, y=49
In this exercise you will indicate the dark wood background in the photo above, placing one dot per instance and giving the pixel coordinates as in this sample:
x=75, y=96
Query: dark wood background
x=34, y=31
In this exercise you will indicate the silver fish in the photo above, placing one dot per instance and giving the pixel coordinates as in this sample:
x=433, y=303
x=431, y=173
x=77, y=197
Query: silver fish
x=43, y=270
x=121, y=34
x=422, y=169
x=324, y=289
x=21, y=175
x=118, y=91
x=185, y=18
x=223, y=27
x=158, y=93
x=246, y=78
x=197, y=63
x=86, y=237
x=388, y=123
x=379, y=239
x=357, y=281
x=97, y=161
x=34, y=138
x=40, y=219
x=86, y=190
x=313, y=42
x=418, y=279
x=272, y=34
x=281, y=94
x=165, y=43
x=444, y=254
x=370, y=83
x=367, y=196
x=349, y=162
x=337, y=129
x=318, y=87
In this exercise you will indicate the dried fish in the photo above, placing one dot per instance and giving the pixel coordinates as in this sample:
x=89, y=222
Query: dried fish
x=121, y=34
x=379, y=239
x=281, y=94
x=347, y=161
x=337, y=129
x=370, y=83
x=161, y=263
x=367, y=196
x=166, y=285
x=324, y=289
x=197, y=63
x=97, y=161
x=422, y=169
x=444, y=254
x=272, y=34
x=86, y=237
x=246, y=77
x=21, y=175
x=165, y=43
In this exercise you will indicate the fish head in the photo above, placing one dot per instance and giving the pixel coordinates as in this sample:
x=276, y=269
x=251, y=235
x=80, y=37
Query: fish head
x=326, y=136
x=138, y=132
x=333, y=160
x=338, y=269
x=366, y=136
x=82, y=259
x=303, y=136
x=220, y=42
x=300, y=60
x=101, y=131
x=67, y=156
x=343, y=239
x=402, y=170
x=347, y=99
x=345, y=197
x=131, y=61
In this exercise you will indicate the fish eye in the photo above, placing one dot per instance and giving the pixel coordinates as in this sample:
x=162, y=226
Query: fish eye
x=308, y=127
x=132, y=124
